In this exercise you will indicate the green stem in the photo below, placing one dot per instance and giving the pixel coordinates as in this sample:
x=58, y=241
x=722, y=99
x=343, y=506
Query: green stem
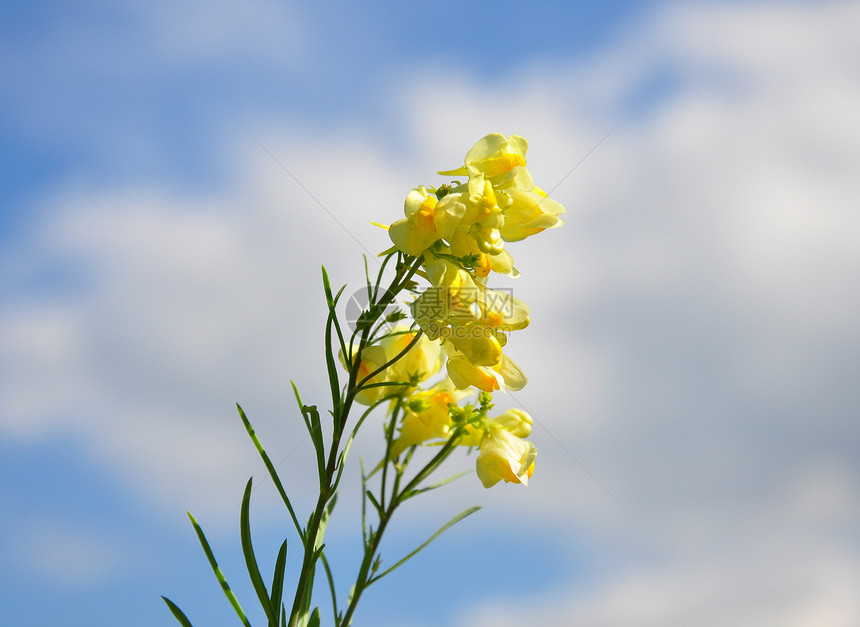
x=363, y=580
x=341, y=408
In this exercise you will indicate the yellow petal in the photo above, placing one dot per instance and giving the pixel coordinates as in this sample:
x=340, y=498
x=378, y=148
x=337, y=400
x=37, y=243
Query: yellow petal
x=464, y=374
x=479, y=347
x=505, y=457
x=513, y=377
x=408, y=237
x=515, y=421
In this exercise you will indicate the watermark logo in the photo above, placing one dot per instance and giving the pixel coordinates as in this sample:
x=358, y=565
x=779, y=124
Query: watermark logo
x=443, y=311
x=357, y=311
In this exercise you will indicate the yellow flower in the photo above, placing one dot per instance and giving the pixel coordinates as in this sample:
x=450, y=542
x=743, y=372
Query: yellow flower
x=371, y=359
x=464, y=373
x=427, y=220
x=527, y=208
x=493, y=155
x=456, y=299
x=451, y=297
x=481, y=205
x=420, y=363
x=502, y=311
x=511, y=374
x=500, y=183
x=464, y=243
x=504, y=456
x=503, y=263
x=489, y=240
x=431, y=419
x=480, y=347
x=514, y=421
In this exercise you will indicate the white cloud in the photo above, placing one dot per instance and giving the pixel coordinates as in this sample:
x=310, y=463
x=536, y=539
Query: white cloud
x=713, y=245
x=798, y=590
x=181, y=306
x=781, y=562
x=695, y=322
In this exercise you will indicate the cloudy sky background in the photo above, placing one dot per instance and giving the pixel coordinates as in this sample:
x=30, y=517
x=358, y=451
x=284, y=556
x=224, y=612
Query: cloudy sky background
x=174, y=175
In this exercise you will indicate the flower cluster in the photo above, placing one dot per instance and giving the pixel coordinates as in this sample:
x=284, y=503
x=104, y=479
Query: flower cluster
x=453, y=236
x=434, y=414
x=459, y=231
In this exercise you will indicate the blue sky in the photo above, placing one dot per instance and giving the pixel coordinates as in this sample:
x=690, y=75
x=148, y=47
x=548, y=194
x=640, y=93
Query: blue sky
x=693, y=353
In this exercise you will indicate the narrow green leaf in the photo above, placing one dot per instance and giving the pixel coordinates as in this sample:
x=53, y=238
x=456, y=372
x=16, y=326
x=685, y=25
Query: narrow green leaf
x=307, y=593
x=408, y=495
x=315, y=618
x=225, y=587
x=337, y=326
x=377, y=468
x=317, y=438
x=446, y=449
x=337, y=296
x=442, y=529
x=373, y=500
x=251, y=559
x=326, y=515
x=341, y=462
x=332, y=322
x=363, y=503
x=351, y=594
x=379, y=276
x=177, y=613
x=271, y=467
x=301, y=407
x=367, y=412
x=278, y=579
x=327, y=288
x=314, y=424
x=331, y=587
x=367, y=279
x=331, y=366
x=387, y=384
x=361, y=384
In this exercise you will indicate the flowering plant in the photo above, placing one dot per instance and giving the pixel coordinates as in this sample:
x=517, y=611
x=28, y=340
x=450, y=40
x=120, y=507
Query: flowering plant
x=453, y=237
